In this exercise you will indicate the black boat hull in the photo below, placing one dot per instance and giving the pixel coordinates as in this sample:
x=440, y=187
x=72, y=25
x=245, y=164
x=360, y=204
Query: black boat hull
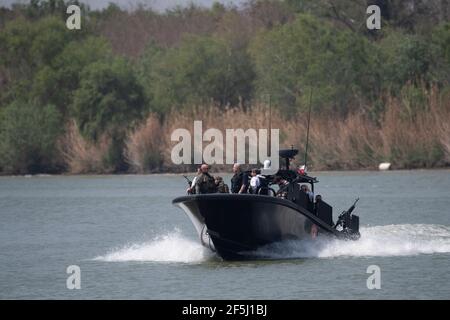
x=235, y=225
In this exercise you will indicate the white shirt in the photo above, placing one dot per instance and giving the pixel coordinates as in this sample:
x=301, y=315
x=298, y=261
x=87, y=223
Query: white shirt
x=194, y=181
x=254, y=182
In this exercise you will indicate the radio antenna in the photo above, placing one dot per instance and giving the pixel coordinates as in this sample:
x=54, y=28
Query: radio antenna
x=270, y=126
x=307, y=130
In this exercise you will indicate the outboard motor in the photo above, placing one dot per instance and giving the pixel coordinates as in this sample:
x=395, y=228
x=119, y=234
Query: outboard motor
x=349, y=222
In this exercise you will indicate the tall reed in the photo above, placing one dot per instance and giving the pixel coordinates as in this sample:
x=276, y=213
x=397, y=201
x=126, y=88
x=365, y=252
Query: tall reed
x=405, y=136
x=82, y=156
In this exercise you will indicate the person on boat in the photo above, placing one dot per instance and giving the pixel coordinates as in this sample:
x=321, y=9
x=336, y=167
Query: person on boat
x=239, y=181
x=280, y=181
x=254, y=182
x=222, y=187
x=282, y=184
x=191, y=189
x=306, y=190
x=264, y=179
x=205, y=182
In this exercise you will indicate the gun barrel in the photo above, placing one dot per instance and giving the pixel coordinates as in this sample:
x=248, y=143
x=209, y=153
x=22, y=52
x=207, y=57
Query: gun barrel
x=350, y=210
x=188, y=180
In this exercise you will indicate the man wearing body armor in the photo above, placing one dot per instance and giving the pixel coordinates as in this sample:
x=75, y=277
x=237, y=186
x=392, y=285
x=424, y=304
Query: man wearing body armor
x=222, y=187
x=205, y=182
x=239, y=182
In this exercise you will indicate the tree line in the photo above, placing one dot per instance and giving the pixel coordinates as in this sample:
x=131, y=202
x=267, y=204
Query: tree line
x=123, y=66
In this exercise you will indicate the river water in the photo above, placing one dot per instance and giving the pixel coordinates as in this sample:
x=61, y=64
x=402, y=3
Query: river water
x=130, y=242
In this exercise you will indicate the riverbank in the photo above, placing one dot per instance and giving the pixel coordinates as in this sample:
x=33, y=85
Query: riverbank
x=90, y=105
x=406, y=137
x=222, y=173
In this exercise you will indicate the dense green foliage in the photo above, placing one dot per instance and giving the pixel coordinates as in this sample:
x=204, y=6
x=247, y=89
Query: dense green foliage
x=199, y=71
x=307, y=53
x=122, y=65
x=28, y=136
x=108, y=97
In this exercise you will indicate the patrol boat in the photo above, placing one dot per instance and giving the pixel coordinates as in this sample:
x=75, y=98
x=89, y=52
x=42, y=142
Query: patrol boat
x=236, y=225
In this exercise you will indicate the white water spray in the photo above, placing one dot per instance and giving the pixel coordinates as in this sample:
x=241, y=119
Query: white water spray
x=390, y=240
x=171, y=247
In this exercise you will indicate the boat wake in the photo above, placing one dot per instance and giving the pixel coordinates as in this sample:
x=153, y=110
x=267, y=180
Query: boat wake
x=170, y=247
x=389, y=240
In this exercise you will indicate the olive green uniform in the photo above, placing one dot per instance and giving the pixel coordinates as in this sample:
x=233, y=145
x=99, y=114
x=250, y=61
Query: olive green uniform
x=205, y=184
x=222, y=187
